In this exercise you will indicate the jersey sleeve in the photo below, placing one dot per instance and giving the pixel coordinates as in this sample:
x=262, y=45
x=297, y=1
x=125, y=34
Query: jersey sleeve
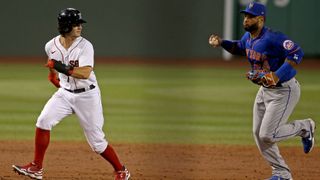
x=236, y=47
x=292, y=51
x=47, y=48
x=242, y=42
x=87, y=55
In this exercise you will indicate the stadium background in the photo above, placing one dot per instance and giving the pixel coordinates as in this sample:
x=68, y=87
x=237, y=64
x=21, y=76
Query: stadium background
x=149, y=28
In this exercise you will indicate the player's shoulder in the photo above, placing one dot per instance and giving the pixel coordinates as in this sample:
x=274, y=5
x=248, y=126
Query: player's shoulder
x=50, y=43
x=245, y=36
x=83, y=42
x=274, y=34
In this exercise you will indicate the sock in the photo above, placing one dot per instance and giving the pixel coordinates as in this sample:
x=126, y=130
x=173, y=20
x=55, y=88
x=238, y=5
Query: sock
x=42, y=140
x=110, y=155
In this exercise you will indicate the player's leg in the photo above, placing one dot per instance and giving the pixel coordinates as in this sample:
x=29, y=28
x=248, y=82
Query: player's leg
x=269, y=149
x=275, y=123
x=90, y=113
x=258, y=113
x=53, y=112
x=303, y=128
x=280, y=103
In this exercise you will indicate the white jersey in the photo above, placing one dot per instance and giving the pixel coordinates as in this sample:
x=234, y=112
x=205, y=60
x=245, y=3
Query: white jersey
x=85, y=104
x=79, y=54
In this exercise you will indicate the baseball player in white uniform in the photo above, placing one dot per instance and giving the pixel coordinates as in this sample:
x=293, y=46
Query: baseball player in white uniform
x=72, y=56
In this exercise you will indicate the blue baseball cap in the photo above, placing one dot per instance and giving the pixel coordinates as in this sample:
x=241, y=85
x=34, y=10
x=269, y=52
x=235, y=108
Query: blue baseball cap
x=255, y=9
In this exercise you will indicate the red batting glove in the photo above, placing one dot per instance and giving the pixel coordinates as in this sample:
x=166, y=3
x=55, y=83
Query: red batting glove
x=52, y=77
x=50, y=64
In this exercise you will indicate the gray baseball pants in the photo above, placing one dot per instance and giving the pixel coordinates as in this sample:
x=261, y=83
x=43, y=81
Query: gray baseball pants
x=272, y=108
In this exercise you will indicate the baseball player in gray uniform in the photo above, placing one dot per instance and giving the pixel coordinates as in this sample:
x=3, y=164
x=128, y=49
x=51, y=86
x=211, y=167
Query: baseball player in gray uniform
x=72, y=56
x=273, y=58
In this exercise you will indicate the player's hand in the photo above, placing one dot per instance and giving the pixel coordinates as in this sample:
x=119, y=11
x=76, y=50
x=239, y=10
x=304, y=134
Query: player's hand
x=215, y=40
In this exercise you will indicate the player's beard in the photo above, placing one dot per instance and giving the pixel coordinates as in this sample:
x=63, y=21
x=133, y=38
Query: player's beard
x=251, y=28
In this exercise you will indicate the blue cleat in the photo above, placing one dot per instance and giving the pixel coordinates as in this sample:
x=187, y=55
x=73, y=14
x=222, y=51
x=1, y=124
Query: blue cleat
x=278, y=178
x=308, y=142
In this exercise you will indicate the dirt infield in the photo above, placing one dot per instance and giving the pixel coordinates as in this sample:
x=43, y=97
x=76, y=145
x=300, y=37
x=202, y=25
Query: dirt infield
x=75, y=160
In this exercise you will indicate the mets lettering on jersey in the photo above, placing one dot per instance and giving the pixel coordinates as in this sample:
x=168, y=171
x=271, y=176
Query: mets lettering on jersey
x=269, y=50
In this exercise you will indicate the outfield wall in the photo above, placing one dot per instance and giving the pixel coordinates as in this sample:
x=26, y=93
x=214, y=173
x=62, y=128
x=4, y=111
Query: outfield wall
x=299, y=19
x=143, y=28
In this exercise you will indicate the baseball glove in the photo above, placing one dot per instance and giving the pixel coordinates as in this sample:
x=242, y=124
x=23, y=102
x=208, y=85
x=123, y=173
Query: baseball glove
x=256, y=76
x=262, y=77
x=269, y=80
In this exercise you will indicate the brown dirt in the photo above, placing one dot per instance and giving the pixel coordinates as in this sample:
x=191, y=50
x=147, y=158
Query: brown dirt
x=75, y=160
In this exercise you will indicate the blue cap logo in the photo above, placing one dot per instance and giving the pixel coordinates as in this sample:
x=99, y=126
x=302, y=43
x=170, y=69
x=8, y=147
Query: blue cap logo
x=250, y=5
x=255, y=9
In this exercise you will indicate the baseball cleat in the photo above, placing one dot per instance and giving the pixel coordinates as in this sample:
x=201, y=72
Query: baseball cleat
x=308, y=142
x=278, y=178
x=123, y=174
x=31, y=170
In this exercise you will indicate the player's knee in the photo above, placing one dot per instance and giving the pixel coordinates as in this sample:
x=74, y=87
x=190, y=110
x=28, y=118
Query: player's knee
x=98, y=147
x=266, y=138
x=255, y=133
x=43, y=124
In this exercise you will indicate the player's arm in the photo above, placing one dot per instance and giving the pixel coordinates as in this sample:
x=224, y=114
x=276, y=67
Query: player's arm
x=81, y=72
x=52, y=77
x=233, y=47
x=76, y=72
x=284, y=73
x=287, y=70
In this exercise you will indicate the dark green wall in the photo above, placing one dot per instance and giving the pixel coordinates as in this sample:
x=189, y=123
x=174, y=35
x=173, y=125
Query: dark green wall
x=125, y=28
x=300, y=20
x=147, y=28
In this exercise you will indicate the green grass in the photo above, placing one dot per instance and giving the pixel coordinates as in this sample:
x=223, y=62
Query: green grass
x=149, y=104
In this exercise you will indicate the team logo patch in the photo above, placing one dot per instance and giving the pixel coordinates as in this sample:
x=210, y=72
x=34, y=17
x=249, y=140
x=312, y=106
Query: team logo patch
x=288, y=44
x=250, y=5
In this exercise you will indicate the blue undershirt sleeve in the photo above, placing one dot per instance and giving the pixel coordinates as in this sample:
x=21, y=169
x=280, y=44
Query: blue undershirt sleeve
x=233, y=47
x=285, y=72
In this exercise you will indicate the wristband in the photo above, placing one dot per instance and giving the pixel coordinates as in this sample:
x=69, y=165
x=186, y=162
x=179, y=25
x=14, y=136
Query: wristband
x=62, y=68
x=285, y=72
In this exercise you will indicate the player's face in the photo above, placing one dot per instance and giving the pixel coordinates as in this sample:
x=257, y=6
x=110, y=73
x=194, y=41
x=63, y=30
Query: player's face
x=250, y=23
x=76, y=30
